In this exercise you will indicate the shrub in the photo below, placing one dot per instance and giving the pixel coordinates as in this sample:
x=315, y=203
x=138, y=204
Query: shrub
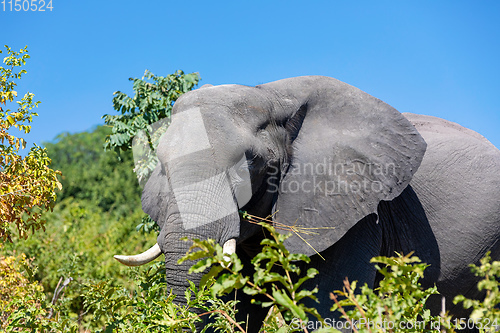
x=486, y=313
x=23, y=306
x=398, y=300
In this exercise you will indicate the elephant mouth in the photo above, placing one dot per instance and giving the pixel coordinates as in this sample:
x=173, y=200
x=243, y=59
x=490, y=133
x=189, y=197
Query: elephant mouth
x=154, y=252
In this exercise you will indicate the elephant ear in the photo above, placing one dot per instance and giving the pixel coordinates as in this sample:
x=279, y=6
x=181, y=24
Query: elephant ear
x=348, y=151
x=155, y=195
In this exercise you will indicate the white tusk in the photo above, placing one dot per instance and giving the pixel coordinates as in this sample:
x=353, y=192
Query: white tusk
x=229, y=248
x=140, y=259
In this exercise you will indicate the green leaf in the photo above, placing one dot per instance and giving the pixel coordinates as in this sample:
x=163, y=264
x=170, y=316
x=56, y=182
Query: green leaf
x=214, y=271
x=152, y=101
x=285, y=301
x=11, y=120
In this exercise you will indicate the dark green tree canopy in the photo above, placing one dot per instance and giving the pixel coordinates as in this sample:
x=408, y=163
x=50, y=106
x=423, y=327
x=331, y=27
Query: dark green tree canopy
x=90, y=173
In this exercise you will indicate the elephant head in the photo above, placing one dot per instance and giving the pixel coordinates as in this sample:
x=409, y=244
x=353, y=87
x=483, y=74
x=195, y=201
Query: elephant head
x=316, y=152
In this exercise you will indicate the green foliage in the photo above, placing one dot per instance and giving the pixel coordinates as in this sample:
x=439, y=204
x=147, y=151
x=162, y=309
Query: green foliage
x=23, y=305
x=147, y=225
x=398, y=304
x=16, y=291
x=27, y=185
x=93, y=220
x=486, y=312
x=148, y=307
x=282, y=290
x=144, y=117
x=79, y=242
x=152, y=101
x=92, y=174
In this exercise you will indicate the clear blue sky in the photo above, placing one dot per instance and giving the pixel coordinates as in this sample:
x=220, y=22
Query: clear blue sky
x=440, y=58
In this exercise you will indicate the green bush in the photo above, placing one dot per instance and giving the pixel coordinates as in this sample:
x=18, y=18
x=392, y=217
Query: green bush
x=148, y=307
x=486, y=313
x=285, y=294
x=23, y=305
x=94, y=219
x=398, y=304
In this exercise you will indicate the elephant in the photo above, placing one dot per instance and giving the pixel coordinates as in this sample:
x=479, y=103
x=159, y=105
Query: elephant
x=317, y=152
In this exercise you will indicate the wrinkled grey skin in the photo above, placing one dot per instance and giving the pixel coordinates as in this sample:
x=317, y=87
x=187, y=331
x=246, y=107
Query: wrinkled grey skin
x=429, y=186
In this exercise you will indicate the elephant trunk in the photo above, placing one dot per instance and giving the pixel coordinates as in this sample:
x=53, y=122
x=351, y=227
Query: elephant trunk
x=177, y=275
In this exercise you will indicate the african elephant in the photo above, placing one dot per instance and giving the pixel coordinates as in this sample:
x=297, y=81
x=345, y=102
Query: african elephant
x=320, y=153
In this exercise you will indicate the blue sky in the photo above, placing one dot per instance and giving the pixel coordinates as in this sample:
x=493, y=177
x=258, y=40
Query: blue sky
x=439, y=58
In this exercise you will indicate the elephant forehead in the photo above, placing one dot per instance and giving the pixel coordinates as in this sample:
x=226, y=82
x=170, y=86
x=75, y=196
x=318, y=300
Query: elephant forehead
x=186, y=135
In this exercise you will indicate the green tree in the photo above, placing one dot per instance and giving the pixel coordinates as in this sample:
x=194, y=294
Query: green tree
x=142, y=115
x=27, y=184
x=92, y=174
x=93, y=219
